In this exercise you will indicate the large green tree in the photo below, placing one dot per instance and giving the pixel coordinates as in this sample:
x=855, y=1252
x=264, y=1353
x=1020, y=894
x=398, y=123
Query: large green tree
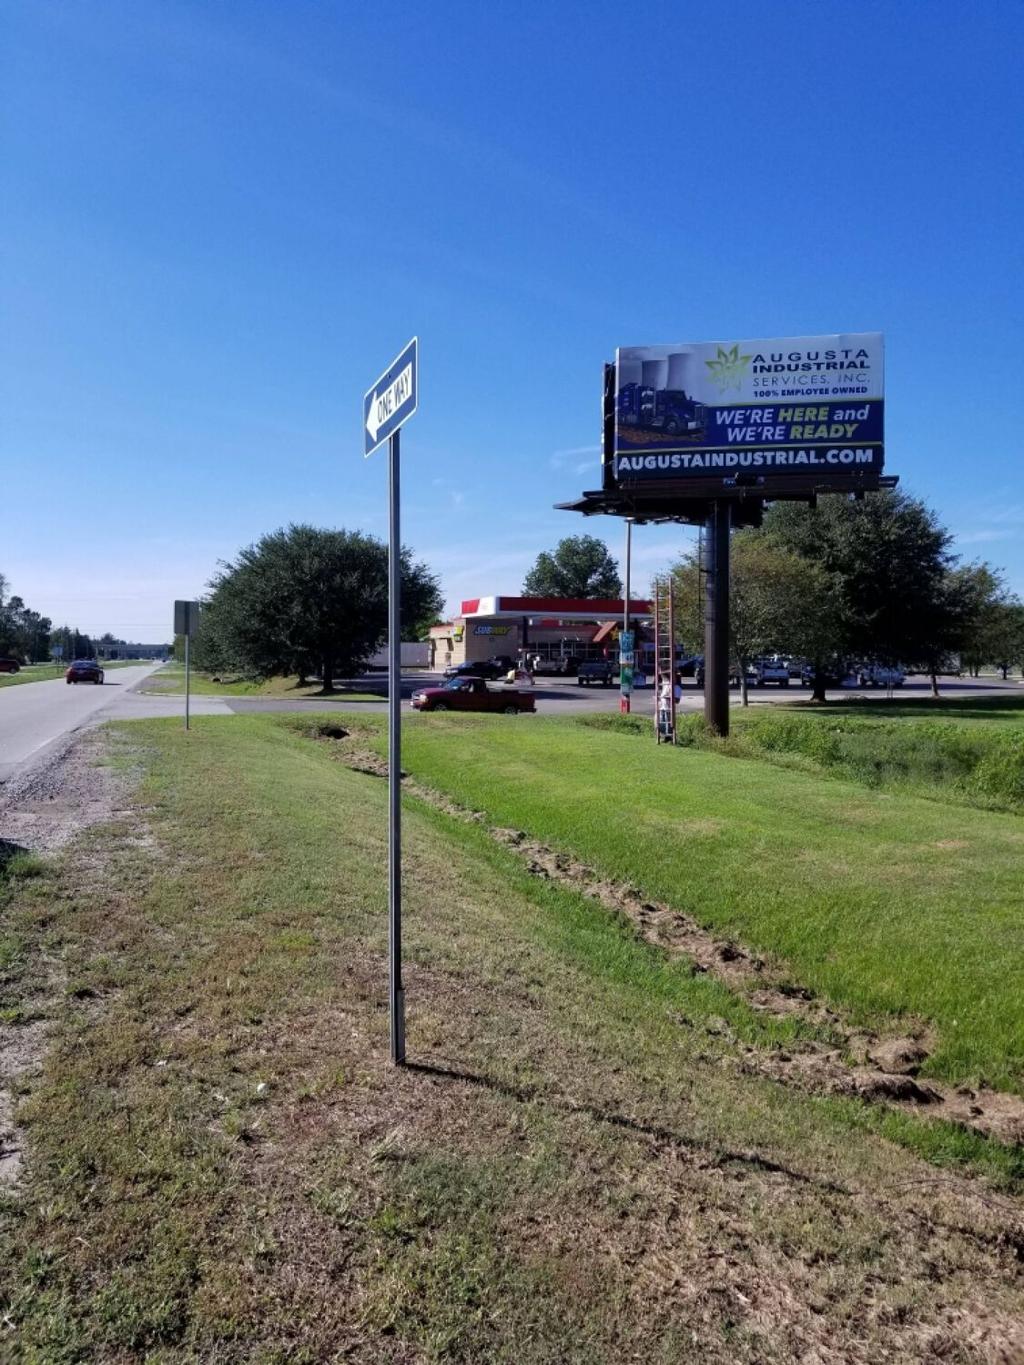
x=779, y=601
x=24, y=634
x=579, y=566
x=308, y=601
x=888, y=561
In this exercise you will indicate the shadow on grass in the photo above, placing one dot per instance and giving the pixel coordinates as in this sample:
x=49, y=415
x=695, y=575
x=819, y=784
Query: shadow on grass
x=915, y=706
x=719, y=1157
x=9, y=850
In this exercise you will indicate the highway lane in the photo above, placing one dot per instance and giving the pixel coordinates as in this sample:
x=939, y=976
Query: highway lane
x=35, y=715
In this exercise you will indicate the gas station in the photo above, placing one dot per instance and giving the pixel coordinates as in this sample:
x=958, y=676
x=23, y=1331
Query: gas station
x=557, y=630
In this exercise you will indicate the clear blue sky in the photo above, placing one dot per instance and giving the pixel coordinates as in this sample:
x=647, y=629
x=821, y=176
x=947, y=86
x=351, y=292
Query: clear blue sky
x=222, y=220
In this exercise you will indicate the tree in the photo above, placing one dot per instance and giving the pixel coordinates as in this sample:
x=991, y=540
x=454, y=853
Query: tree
x=779, y=602
x=888, y=560
x=304, y=600
x=579, y=566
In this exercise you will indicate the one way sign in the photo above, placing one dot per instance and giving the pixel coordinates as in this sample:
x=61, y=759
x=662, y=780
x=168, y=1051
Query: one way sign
x=392, y=399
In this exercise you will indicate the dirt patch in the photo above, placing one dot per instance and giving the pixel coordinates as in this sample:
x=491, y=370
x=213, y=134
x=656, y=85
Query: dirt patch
x=880, y=1070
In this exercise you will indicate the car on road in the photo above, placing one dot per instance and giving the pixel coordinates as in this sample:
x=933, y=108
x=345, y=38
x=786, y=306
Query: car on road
x=84, y=670
x=9, y=666
x=601, y=671
x=472, y=694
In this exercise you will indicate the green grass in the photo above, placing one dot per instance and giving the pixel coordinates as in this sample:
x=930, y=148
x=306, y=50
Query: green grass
x=47, y=672
x=223, y=1166
x=883, y=903
x=976, y=763
x=1000, y=709
x=32, y=673
x=171, y=680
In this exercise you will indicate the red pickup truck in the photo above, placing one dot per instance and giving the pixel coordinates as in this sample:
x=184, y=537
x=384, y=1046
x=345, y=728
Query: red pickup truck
x=472, y=694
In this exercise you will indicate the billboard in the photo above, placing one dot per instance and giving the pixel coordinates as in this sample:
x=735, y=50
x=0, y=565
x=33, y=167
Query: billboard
x=764, y=409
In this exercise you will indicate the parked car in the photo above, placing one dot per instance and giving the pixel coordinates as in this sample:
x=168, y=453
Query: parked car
x=558, y=668
x=472, y=694
x=483, y=668
x=9, y=666
x=84, y=670
x=881, y=675
x=771, y=671
x=601, y=671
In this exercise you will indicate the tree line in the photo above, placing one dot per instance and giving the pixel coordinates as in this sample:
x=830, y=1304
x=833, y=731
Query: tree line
x=868, y=580
x=310, y=602
x=24, y=633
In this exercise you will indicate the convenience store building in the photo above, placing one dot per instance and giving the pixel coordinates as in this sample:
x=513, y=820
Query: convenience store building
x=555, y=628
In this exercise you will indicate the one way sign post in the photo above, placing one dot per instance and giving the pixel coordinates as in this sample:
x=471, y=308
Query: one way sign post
x=386, y=406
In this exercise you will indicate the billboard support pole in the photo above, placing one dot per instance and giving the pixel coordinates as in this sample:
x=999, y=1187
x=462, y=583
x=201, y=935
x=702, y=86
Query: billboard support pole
x=716, y=618
x=396, y=992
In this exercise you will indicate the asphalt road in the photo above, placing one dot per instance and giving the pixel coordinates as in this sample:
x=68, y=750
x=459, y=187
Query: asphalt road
x=34, y=716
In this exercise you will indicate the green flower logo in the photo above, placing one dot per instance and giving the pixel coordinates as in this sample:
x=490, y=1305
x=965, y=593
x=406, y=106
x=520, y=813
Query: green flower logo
x=727, y=370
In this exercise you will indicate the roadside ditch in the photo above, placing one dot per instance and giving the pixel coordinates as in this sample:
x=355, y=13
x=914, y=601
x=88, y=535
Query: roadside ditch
x=877, y=1068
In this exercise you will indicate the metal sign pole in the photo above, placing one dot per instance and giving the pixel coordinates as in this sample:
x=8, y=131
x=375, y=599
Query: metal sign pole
x=188, y=663
x=397, y=994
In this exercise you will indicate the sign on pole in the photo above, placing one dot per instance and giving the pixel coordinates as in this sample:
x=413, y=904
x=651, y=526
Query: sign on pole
x=57, y=651
x=387, y=404
x=759, y=412
x=392, y=399
x=186, y=618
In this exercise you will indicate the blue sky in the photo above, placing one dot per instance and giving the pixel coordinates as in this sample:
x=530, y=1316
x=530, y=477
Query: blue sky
x=221, y=221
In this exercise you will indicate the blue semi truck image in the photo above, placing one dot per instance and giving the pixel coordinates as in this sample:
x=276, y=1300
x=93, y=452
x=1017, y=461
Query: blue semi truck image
x=670, y=412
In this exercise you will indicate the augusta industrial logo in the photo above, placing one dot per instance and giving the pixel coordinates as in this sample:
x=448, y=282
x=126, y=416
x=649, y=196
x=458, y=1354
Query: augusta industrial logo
x=727, y=369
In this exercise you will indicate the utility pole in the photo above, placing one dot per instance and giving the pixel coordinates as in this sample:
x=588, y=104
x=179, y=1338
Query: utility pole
x=716, y=618
x=627, y=653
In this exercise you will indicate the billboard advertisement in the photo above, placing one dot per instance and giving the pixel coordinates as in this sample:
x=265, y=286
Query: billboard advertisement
x=763, y=408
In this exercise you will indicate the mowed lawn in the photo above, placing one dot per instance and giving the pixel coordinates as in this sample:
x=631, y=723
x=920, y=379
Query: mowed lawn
x=171, y=679
x=881, y=902
x=577, y=1169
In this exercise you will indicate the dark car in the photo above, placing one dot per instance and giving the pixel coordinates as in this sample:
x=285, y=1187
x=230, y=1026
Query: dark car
x=601, y=671
x=9, y=666
x=485, y=668
x=471, y=694
x=84, y=670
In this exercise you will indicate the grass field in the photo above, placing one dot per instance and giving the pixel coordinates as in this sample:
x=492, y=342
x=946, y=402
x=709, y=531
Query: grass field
x=880, y=902
x=222, y=1165
x=171, y=679
x=47, y=672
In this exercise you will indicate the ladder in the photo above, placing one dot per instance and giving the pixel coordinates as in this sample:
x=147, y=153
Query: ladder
x=664, y=661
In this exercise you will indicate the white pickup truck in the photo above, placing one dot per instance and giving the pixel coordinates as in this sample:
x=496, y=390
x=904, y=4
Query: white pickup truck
x=771, y=671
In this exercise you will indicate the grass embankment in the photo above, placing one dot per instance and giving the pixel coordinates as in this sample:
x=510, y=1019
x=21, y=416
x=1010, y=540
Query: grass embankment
x=48, y=672
x=32, y=673
x=977, y=761
x=171, y=680
x=224, y=1167
x=880, y=902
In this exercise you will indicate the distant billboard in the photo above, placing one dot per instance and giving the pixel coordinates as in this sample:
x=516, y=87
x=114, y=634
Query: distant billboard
x=764, y=409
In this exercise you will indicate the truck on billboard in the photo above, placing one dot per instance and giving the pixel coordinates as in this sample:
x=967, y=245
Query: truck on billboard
x=788, y=405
